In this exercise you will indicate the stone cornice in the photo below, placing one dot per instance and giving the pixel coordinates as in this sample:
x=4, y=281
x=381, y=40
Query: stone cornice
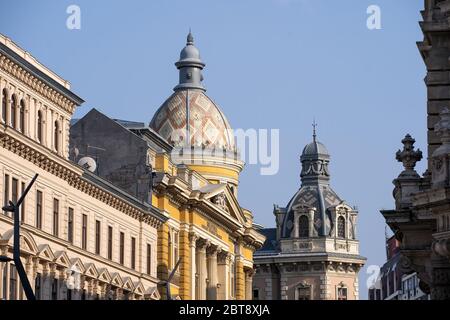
x=37, y=81
x=30, y=150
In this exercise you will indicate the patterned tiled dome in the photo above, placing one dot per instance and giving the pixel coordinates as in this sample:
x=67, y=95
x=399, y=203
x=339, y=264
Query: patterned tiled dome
x=208, y=126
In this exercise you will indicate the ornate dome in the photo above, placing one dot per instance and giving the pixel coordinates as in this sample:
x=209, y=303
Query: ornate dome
x=208, y=126
x=319, y=197
x=315, y=191
x=315, y=148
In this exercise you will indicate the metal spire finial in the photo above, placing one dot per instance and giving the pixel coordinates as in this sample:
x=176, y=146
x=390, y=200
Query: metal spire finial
x=314, y=125
x=190, y=38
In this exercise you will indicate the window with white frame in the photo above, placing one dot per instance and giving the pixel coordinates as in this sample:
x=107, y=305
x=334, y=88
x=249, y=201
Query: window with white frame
x=341, y=227
x=342, y=293
x=303, y=226
x=176, y=252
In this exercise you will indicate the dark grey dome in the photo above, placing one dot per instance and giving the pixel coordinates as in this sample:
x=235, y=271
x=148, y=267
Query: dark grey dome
x=190, y=54
x=321, y=198
x=315, y=148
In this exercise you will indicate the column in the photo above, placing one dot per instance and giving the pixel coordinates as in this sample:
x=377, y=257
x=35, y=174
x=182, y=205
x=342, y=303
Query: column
x=249, y=284
x=29, y=271
x=163, y=257
x=6, y=270
x=185, y=269
x=240, y=279
x=202, y=269
x=223, y=270
x=45, y=285
x=192, y=245
x=53, y=276
x=212, y=273
x=1, y=278
x=62, y=284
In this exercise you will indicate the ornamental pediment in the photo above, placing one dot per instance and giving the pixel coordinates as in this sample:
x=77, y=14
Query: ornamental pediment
x=222, y=198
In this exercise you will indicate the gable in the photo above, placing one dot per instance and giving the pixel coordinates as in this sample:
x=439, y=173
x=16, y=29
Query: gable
x=91, y=270
x=139, y=288
x=153, y=294
x=116, y=280
x=128, y=284
x=45, y=252
x=104, y=275
x=77, y=265
x=223, y=199
x=62, y=259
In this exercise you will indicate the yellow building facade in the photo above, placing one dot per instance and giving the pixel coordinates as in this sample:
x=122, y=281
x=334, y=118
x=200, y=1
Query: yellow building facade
x=197, y=186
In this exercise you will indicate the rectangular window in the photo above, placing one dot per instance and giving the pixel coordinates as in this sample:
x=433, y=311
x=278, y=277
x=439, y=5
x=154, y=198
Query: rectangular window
x=110, y=242
x=39, y=209
x=37, y=286
x=149, y=259
x=255, y=294
x=97, y=236
x=55, y=217
x=6, y=192
x=304, y=293
x=176, y=240
x=12, y=282
x=70, y=223
x=84, y=233
x=14, y=191
x=342, y=293
x=122, y=248
x=22, y=206
x=133, y=253
x=55, y=289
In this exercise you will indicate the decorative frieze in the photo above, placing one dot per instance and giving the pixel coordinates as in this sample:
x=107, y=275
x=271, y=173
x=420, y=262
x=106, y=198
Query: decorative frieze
x=36, y=84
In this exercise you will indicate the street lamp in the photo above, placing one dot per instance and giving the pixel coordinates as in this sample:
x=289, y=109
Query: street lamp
x=14, y=208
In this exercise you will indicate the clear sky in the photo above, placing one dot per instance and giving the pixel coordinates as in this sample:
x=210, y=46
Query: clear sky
x=269, y=64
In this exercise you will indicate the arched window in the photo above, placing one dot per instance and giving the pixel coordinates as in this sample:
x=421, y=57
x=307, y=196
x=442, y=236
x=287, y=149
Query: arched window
x=22, y=116
x=341, y=227
x=39, y=126
x=13, y=111
x=303, y=292
x=56, y=136
x=4, y=104
x=303, y=227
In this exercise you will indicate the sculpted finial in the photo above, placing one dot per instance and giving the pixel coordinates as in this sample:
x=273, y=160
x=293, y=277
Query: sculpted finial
x=408, y=156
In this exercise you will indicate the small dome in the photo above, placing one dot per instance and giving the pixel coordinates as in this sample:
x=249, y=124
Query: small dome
x=315, y=149
x=190, y=52
x=208, y=126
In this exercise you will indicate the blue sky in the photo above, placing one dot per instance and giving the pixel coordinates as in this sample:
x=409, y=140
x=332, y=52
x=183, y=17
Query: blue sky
x=269, y=64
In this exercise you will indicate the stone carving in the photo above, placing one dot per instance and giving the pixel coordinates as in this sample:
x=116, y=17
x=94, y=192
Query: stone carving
x=220, y=201
x=408, y=156
x=316, y=167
